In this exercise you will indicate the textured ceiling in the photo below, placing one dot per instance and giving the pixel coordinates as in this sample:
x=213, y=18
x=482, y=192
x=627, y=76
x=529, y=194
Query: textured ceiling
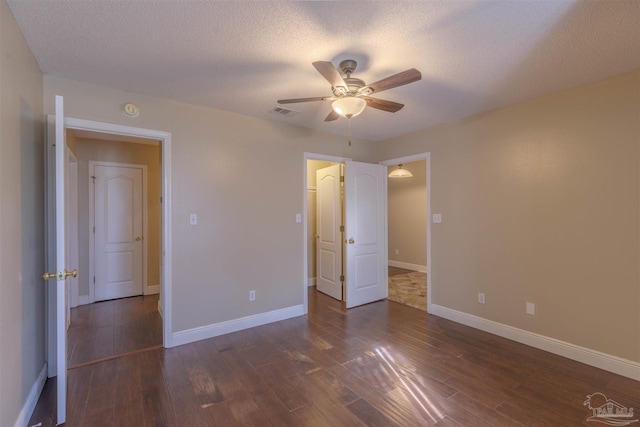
x=474, y=56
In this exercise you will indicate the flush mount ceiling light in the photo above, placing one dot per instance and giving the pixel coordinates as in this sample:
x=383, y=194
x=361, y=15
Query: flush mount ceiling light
x=400, y=173
x=349, y=106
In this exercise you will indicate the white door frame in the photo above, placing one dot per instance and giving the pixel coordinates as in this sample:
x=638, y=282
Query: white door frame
x=92, y=224
x=165, y=149
x=305, y=266
x=427, y=158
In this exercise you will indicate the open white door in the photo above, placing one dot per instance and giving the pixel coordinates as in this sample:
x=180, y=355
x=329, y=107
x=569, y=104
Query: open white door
x=58, y=273
x=365, y=230
x=328, y=234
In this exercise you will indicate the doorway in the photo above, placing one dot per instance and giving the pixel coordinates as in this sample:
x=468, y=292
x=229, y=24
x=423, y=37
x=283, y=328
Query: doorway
x=325, y=201
x=120, y=133
x=359, y=234
x=409, y=232
x=119, y=233
x=325, y=278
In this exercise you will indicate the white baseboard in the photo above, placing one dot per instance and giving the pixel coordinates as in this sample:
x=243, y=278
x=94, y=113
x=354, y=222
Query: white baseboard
x=407, y=266
x=311, y=281
x=32, y=398
x=83, y=300
x=152, y=290
x=591, y=357
x=210, y=331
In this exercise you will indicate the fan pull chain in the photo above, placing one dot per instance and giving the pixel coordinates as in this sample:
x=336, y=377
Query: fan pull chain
x=349, y=132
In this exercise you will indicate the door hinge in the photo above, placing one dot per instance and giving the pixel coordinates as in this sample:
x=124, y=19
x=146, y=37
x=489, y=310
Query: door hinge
x=94, y=230
x=342, y=278
x=94, y=280
x=160, y=199
x=342, y=228
x=342, y=178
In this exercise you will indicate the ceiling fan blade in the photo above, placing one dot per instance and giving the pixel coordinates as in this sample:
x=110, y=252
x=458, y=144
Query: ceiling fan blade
x=294, y=100
x=403, y=78
x=332, y=116
x=382, y=104
x=330, y=73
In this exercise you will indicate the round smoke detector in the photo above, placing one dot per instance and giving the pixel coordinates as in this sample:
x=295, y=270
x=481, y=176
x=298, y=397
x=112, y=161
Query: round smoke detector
x=130, y=110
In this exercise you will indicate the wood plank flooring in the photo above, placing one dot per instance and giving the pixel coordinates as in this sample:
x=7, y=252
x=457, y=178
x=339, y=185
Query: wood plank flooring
x=110, y=328
x=382, y=364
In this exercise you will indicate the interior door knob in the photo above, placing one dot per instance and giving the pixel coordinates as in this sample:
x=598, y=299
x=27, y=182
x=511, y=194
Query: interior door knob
x=61, y=275
x=138, y=238
x=351, y=241
x=47, y=276
x=72, y=273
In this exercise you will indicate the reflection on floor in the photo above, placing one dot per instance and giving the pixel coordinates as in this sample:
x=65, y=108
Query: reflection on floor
x=408, y=287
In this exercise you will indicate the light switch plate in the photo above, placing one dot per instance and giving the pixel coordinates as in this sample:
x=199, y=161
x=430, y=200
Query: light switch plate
x=193, y=219
x=437, y=218
x=298, y=218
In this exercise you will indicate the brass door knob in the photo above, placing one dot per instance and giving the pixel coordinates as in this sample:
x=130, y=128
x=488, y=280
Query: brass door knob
x=351, y=241
x=138, y=238
x=61, y=276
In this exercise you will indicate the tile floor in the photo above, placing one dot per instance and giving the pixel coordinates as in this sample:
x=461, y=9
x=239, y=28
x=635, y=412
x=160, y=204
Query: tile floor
x=408, y=287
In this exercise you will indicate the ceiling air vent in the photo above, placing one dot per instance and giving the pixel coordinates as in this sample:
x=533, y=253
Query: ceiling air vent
x=284, y=111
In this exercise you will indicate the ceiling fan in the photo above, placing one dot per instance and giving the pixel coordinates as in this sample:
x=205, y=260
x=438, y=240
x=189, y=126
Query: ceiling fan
x=351, y=95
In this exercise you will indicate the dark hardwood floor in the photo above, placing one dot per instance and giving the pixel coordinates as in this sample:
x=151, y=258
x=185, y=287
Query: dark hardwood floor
x=110, y=328
x=382, y=364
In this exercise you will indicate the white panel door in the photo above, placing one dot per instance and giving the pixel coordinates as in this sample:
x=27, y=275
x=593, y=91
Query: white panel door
x=328, y=234
x=118, y=232
x=57, y=262
x=365, y=230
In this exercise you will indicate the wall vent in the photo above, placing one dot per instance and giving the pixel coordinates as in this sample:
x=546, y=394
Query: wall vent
x=284, y=111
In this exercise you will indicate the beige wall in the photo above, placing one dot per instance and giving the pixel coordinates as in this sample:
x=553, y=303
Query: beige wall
x=407, y=218
x=312, y=167
x=22, y=289
x=119, y=152
x=244, y=178
x=540, y=203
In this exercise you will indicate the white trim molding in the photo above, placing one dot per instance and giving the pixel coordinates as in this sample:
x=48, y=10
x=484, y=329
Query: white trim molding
x=216, y=329
x=407, y=266
x=32, y=399
x=311, y=281
x=588, y=356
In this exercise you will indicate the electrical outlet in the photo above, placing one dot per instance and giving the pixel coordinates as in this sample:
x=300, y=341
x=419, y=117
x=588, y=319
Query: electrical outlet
x=531, y=309
x=481, y=297
x=252, y=295
x=397, y=251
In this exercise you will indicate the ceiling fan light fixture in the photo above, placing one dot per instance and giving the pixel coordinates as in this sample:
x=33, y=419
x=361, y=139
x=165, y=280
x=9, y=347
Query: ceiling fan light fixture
x=400, y=173
x=349, y=106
